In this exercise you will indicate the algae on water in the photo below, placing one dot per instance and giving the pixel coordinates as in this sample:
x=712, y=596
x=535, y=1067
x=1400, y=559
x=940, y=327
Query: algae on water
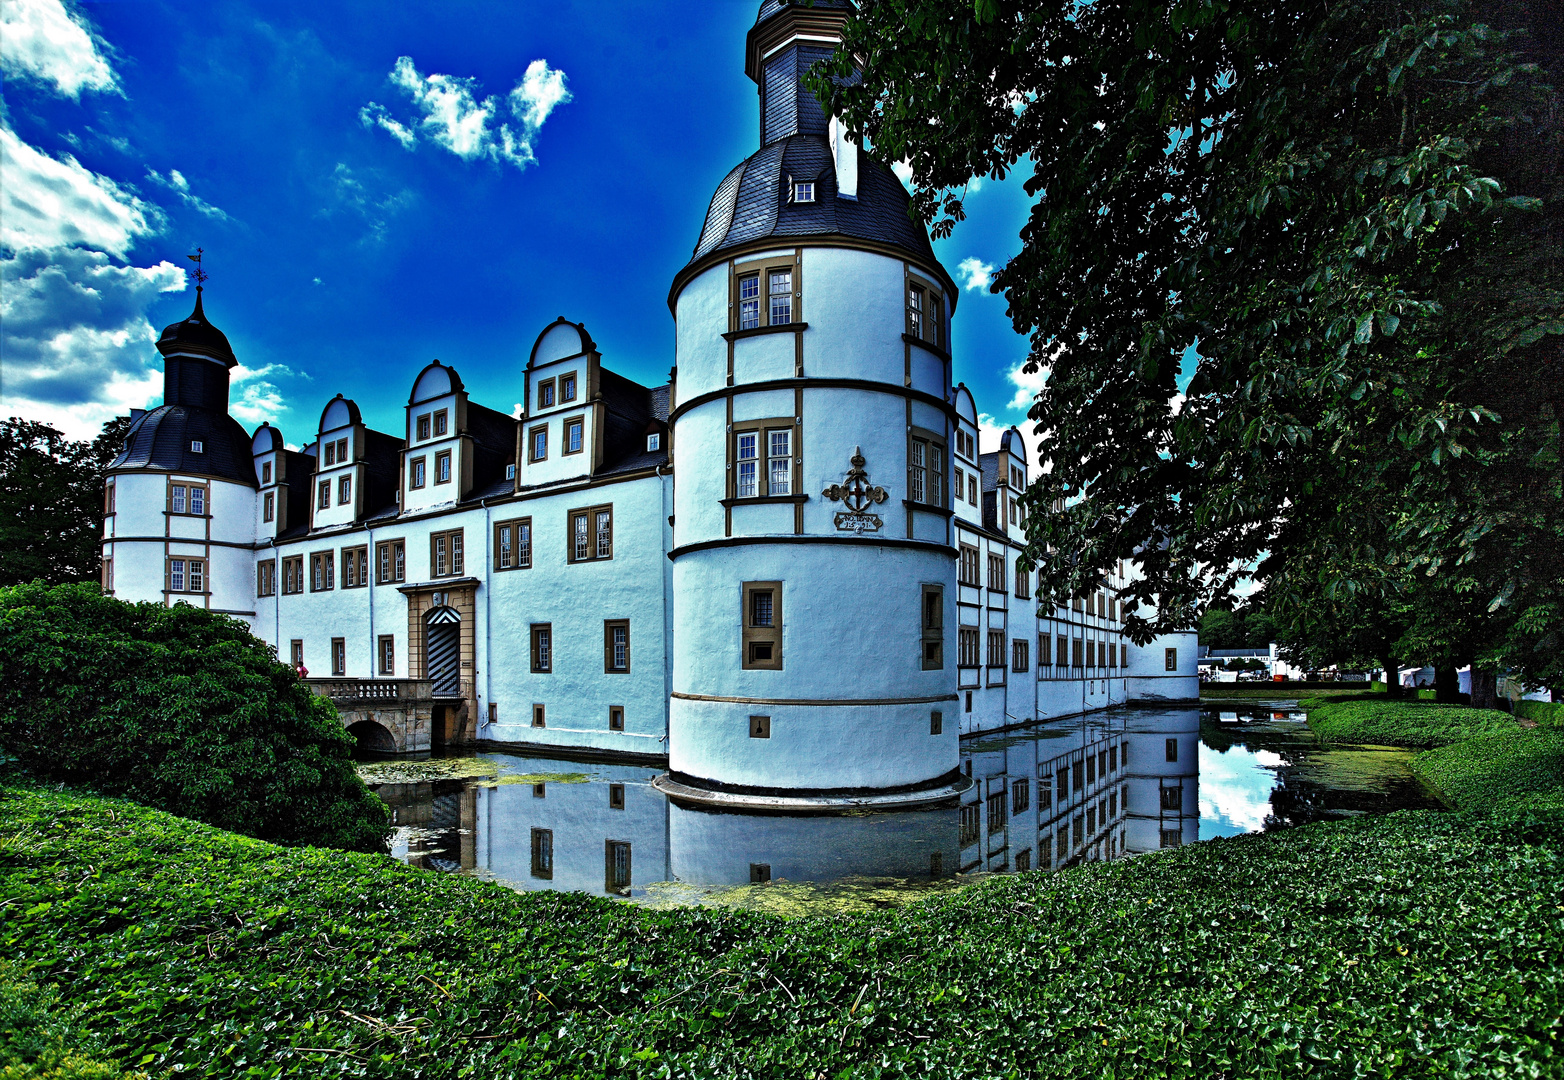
x=418, y=772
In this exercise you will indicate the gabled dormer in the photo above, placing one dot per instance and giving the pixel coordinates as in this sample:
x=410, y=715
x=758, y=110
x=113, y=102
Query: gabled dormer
x=355, y=467
x=966, y=478
x=455, y=447
x=283, y=477
x=1004, y=480
x=562, y=425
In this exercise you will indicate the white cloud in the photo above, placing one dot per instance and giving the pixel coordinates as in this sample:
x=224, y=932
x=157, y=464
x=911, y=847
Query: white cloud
x=974, y=185
x=175, y=181
x=990, y=430
x=1027, y=386
x=48, y=203
x=351, y=193
x=974, y=273
x=453, y=115
x=45, y=41
x=254, y=398
x=77, y=342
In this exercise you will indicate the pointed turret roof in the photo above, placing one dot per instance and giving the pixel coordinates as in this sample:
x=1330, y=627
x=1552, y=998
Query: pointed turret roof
x=196, y=336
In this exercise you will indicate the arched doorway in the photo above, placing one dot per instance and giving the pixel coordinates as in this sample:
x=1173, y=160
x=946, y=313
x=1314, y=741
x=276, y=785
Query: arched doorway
x=372, y=738
x=443, y=644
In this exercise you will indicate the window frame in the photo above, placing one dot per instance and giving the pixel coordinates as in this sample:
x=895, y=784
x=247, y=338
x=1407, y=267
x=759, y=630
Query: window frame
x=762, y=430
x=996, y=561
x=969, y=567
x=542, y=659
x=579, y=424
x=339, y=657
x=547, y=387
x=609, y=628
x=935, y=459
x=932, y=634
x=355, y=567
x=969, y=646
x=442, y=423
x=265, y=578
x=1023, y=580
x=442, y=467
x=1170, y=659
x=996, y=650
x=532, y=443
x=417, y=472
x=391, y=554
x=323, y=494
x=543, y=854
x=455, y=549
x=422, y=428
x=925, y=306
x=751, y=635
x=188, y=500
x=762, y=269
x=344, y=490
x=293, y=570
x=1020, y=655
x=593, y=515
x=567, y=381
x=268, y=507
x=385, y=654
x=516, y=525
x=616, y=718
x=323, y=571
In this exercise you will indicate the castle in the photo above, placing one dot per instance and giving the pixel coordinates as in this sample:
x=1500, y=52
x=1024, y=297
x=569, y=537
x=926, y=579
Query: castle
x=788, y=573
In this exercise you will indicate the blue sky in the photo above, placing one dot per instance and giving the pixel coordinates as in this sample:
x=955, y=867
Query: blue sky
x=363, y=213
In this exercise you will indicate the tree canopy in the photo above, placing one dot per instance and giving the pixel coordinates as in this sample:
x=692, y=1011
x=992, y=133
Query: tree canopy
x=1296, y=274
x=51, y=501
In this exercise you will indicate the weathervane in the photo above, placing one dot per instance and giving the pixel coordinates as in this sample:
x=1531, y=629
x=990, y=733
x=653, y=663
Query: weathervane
x=200, y=274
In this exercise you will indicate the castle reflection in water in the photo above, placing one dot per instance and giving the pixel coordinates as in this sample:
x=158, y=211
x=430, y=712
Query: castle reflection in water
x=1095, y=788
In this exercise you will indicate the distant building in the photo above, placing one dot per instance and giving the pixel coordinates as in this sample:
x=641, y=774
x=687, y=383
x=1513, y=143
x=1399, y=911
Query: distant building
x=788, y=572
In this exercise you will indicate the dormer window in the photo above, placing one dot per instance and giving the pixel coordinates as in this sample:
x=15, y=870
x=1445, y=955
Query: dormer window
x=440, y=426
x=804, y=191
x=546, y=394
x=196, y=446
x=654, y=442
x=330, y=454
x=567, y=388
x=266, y=472
x=423, y=427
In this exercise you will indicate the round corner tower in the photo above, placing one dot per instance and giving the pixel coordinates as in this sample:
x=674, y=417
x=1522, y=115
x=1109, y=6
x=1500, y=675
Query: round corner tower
x=814, y=581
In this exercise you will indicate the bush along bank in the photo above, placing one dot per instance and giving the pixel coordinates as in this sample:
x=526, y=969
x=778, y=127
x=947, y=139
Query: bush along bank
x=1389, y=722
x=181, y=709
x=1418, y=944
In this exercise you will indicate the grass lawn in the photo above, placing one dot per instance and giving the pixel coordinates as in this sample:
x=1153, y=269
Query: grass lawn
x=1420, y=944
x=1403, y=723
x=1271, y=691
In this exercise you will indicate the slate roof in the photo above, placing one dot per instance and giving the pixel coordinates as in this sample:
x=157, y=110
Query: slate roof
x=768, y=8
x=196, y=334
x=161, y=438
x=751, y=202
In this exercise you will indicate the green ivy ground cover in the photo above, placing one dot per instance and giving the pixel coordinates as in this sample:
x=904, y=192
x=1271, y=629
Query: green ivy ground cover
x=1416, y=945
x=1273, y=691
x=1403, y=723
x=1516, y=771
x=1545, y=713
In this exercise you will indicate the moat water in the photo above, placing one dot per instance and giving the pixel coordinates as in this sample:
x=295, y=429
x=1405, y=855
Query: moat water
x=1111, y=785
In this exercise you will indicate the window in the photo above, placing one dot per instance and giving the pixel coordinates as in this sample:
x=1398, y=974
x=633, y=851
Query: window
x=1063, y=846
x=322, y=571
x=762, y=625
x=269, y=506
x=542, y=652
x=1077, y=654
x=344, y=490
x=266, y=472
x=546, y=394
x=391, y=557
x=1171, y=748
x=616, y=718
x=616, y=646
x=1172, y=798
x=339, y=656
x=969, y=832
x=513, y=545
x=996, y=572
x=1045, y=791
x=1019, y=660
x=266, y=578
x=323, y=496
x=616, y=863
x=759, y=873
x=293, y=574
x=804, y=191
x=1113, y=758
x=749, y=302
x=1170, y=659
x=760, y=727
x=1091, y=768
x=108, y=576
x=1102, y=654
x=1045, y=652
x=186, y=575
x=780, y=292
x=972, y=488
x=573, y=436
x=933, y=618
x=197, y=446
x=423, y=427
x=1062, y=782
x=1062, y=657
x=567, y=388
x=1113, y=656
x=108, y=497
x=1020, y=796
x=1171, y=838
x=1091, y=819
x=964, y=445
x=445, y=554
x=996, y=648
x=1124, y=655
x=296, y=652
x=926, y=471
x=763, y=459
x=936, y=722
x=543, y=853
x=1078, y=775
x=440, y=423
x=1023, y=580
x=924, y=315
x=387, y=651
x=1091, y=655
x=996, y=811
x=1113, y=804
x=591, y=534
x=442, y=467
x=355, y=567
x=187, y=499
x=342, y=451
x=960, y=485
x=654, y=441
x=538, y=720
x=329, y=456
x=537, y=443
x=967, y=570
x=967, y=647
x=415, y=473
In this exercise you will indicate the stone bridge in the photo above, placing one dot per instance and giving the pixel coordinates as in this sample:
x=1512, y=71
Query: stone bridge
x=397, y=716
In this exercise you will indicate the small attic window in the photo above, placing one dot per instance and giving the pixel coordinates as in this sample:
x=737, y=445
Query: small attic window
x=654, y=441
x=195, y=446
x=804, y=191
x=510, y=472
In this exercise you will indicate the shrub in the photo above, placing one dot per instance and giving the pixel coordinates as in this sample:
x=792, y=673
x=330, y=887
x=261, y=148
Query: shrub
x=1417, y=944
x=181, y=709
x=1545, y=713
x=1403, y=723
x=41, y=1041
x=1523, y=770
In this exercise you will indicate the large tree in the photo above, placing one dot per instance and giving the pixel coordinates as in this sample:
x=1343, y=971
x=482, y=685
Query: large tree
x=1350, y=216
x=51, y=501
